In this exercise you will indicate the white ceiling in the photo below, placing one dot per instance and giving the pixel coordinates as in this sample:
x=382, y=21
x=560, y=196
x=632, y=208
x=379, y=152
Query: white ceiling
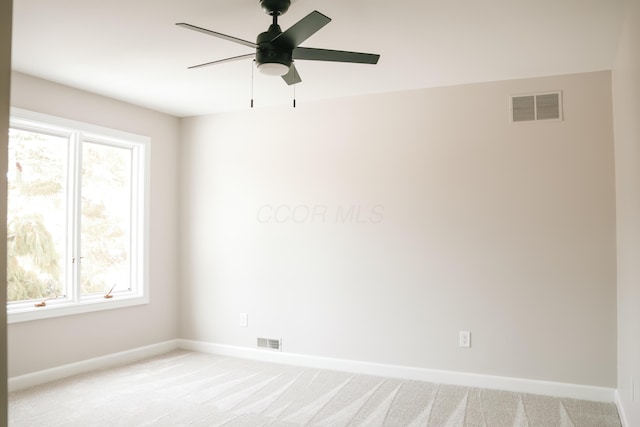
x=131, y=50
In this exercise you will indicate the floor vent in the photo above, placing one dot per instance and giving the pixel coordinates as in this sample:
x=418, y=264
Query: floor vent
x=270, y=344
x=542, y=106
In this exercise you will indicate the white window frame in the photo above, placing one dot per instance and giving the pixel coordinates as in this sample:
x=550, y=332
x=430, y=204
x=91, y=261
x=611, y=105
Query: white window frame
x=76, y=303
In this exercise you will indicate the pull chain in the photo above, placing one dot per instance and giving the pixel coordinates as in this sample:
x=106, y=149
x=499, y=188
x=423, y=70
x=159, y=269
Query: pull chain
x=295, y=75
x=252, y=67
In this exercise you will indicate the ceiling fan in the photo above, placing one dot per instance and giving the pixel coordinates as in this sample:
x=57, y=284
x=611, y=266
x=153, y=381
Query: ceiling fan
x=276, y=50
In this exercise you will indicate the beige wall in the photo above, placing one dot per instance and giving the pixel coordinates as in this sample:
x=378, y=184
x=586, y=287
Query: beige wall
x=5, y=73
x=626, y=109
x=52, y=342
x=465, y=222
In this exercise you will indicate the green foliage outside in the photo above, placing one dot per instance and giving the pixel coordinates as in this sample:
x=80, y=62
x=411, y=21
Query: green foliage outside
x=38, y=274
x=35, y=199
x=106, y=209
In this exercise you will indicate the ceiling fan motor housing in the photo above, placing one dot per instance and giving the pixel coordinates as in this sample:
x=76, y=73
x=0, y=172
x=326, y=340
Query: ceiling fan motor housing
x=275, y=7
x=268, y=53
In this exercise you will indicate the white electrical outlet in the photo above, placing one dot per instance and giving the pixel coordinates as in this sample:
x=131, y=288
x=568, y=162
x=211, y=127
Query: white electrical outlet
x=244, y=320
x=464, y=339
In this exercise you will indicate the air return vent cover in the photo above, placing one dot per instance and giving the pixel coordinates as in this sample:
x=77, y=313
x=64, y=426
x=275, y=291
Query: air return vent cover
x=270, y=344
x=542, y=106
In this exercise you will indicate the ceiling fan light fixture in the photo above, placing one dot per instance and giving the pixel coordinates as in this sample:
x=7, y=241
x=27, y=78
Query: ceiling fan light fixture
x=273, y=69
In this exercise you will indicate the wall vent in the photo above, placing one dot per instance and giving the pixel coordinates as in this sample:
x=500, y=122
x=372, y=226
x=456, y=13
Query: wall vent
x=541, y=106
x=270, y=344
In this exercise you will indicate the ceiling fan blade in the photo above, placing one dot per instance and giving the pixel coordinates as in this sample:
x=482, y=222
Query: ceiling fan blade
x=220, y=61
x=292, y=77
x=312, y=54
x=219, y=35
x=301, y=30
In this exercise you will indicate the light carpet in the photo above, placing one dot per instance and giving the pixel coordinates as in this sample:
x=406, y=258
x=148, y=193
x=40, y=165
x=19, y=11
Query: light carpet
x=194, y=389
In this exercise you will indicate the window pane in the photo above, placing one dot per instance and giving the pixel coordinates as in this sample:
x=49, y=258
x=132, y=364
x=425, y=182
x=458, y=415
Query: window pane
x=36, y=218
x=105, y=218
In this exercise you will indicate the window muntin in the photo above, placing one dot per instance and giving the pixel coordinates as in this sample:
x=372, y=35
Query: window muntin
x=82, y=192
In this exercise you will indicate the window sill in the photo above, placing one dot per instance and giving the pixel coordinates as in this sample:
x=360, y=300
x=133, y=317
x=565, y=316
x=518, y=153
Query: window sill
x=18, y=315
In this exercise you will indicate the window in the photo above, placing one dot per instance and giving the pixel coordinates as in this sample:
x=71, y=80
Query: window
x=76, y=217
